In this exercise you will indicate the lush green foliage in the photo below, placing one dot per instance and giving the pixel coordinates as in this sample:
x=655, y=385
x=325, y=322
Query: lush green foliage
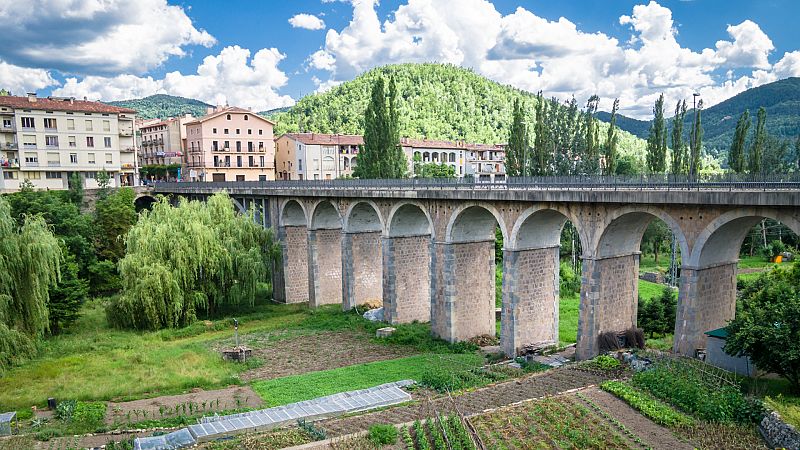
x=657, y=139
x=161, y=106
x=612, y=141
x=653, y=409
x=657, y=314
x=30, y=260
x=114, y=216
x=383, y=434
x=381, y=156
x=434, y=100
x=606, y=362
x=186, y=260
x=736, y=160
x=680, y=161
x=433, y=170
x=787, y=407
x=517, y=151
x=767, y=326
x=569, y=281
x=696, y=141
x=755, y=154
x=693, y=388
x=66, y=297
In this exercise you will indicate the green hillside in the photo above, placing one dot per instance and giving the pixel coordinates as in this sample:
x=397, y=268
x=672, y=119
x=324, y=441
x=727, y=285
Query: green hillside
x=161, y=106
x=781, y=99
x=437, y=101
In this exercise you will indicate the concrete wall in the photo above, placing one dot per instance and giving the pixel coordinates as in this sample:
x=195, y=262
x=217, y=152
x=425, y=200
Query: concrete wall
x=530, y=298
x=716, y=356
x=362, y=262
x=294, y=243
x=406, y=263
x=325, y=267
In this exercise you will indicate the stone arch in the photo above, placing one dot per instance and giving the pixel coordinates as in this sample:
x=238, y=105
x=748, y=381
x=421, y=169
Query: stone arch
x=541, y=226
x=363, y=216
x=625, y=227
x=325, y=216
x=707, y=298
x=293, y=214
x=474, y=222
x=144, y=202
x=409, y=219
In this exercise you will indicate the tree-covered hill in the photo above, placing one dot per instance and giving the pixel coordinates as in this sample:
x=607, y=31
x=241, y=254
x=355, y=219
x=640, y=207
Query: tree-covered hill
x=436, y=101
x=781, y=99
x=161, y=106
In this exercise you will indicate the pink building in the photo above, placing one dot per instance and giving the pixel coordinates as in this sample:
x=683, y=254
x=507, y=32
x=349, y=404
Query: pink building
x=230, y=144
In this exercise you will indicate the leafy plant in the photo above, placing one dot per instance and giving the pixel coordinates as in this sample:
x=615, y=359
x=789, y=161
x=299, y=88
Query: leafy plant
x=65, y=409
x=606, y=362
x=315, y=432
x=655, y=410
x=383, y=434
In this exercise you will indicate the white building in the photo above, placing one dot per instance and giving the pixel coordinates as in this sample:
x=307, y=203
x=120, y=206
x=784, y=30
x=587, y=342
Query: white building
x=483, y=161
x=46, y=140
x=314, y=156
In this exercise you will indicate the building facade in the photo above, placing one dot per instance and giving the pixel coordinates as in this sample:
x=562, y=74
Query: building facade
x=230, y=144
x=163, y=142
x=46, y=140
x=314, y=156
x=485, y=162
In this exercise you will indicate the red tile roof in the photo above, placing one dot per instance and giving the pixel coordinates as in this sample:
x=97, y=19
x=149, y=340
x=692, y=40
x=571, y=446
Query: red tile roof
x=326, y=139
x=227, y=109
x=61, y=104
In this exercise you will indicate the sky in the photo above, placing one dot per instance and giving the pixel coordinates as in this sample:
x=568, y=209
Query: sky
x=265, y=54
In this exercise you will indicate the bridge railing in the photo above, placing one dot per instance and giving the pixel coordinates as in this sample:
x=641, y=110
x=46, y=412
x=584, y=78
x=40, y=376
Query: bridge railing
x=639, y=182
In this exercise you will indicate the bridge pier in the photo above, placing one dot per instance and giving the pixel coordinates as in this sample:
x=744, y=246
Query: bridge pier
x=294, y=246
x=407, y=280
x=362, y=269
x=463, y=304
x=609, y=299
x=324, y=267
x=530, y=298
x=706, y=301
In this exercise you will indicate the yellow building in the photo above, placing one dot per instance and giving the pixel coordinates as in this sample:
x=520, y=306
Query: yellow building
x=230, y=144
x=46, y=140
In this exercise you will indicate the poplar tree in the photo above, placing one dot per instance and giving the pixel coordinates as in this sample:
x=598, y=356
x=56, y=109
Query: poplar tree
x=679, y=157
x=591, y=151
x=381, y=156
x=696, y=143
x=657, y=140
x=612, y=139
x=540, y=163
x=755, y=156
x=517, y=150
x=736, y=155
x=797, y=153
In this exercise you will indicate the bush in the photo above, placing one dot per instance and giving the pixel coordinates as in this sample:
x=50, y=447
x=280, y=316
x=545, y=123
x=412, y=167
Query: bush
x=383, y=434
x=65, y=409
x=606, y=362
x=570, y=283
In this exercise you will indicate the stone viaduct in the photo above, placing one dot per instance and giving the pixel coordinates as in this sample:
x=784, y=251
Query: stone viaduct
x=428, y=250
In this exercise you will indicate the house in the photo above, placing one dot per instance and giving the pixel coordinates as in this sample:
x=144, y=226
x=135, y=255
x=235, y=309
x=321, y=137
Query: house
x=315, y=156
x=716, y=356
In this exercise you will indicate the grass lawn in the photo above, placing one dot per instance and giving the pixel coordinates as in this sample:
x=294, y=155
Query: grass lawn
x=568, y=319
x=281, y=391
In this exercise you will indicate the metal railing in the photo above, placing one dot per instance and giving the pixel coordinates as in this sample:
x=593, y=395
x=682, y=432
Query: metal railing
x=719, y=182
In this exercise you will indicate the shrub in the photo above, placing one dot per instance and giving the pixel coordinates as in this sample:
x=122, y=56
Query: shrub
x=570, y=283
x=606, y=362
x=383, y=434
x=655, y=410
x=65, y=409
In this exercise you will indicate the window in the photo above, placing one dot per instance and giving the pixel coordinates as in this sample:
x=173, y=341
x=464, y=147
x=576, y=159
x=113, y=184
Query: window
x=52, y=175
x=70, y=124
x=300, y=164
x=10, y=175
x=90, y=157
x=238, y=131
x=213, y=130
x=261, y=160
x=51, y=141
x=50, y=124
x=53, y=159
x=238, y=161
x=262, y=178
x=214, y=146
x=261, y=146
x=90, y=141
x=227, y=144
x=225, y=131
x=88, y=125
x=249, y=146
x=245, y=117
x=71, y=141
x=107, y=142
x=27, y=122
x=239, y=177
x=31, y=158
x=229, y=117
x=29, y=140
x=90, y=175
x=6, y=123
x=249, y=130
x=33, y=175
x=238, y=146
x=106, y=125
x=250, y=161
x=109, y=158
x=260, y=131
x=73, y=158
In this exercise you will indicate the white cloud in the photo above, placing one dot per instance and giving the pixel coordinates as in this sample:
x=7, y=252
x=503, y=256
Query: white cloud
x=307, y=21
x=534, y=53
x=20, y=80
x=231, y=77
x=91, y=36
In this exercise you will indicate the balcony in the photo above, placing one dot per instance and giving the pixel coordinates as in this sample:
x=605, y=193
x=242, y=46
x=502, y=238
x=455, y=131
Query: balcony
x=9, y=146
x=127, y=149
x=125, y=132
x=127, y=166
x=9, y=163
x=9, y=129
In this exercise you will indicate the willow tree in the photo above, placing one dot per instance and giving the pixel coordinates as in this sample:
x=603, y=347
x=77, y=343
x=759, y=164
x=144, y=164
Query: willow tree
x=30, y=257
x=187, y=260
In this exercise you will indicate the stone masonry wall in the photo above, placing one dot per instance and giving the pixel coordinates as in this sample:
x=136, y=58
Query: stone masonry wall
x=707, y=302
x=474, y=294
x=367, y=275
x=530, y=298
x=325, y=255
x=295, y=264
x=407, y=262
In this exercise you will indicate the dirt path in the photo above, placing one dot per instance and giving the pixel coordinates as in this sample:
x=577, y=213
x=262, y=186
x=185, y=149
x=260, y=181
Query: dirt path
x=321, y=351
x=653, y=435
x=474, y=402
x=199, y=401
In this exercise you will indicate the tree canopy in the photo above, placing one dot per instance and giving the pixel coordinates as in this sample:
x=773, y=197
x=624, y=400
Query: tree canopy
x=381, y=155
x=187, y=260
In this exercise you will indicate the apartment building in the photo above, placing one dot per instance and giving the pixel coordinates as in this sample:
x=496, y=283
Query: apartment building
x=46, y=140
x=163, y=142
x=230, y=144
x=485, y=162
x=314, y=156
